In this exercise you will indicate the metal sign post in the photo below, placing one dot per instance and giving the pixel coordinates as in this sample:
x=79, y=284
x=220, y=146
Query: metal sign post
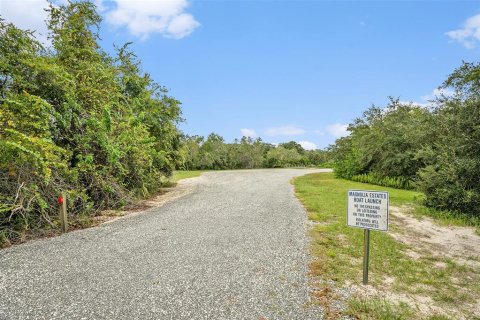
x=368, y=210
x=366, y=253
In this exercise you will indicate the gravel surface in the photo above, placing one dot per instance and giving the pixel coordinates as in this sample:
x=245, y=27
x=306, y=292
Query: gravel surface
x=234, y=247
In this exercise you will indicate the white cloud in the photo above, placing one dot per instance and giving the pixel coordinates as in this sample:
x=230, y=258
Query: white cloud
x=146, y=17
x=469, y=34
x=428, y=100
x=285, y=131
x=338, y=130
x=141, y=18
x=437, y=93
x=307, y=145
x=182, y=25
x=27, y=14
x=248, y=132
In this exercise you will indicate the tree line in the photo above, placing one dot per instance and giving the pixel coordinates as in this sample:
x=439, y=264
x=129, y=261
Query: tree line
x=435, y=149
x=213, y=153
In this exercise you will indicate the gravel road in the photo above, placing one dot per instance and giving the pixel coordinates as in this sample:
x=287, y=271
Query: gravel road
x=234, y=247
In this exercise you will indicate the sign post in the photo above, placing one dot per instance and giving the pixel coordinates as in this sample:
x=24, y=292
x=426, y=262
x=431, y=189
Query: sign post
x=366, y=254
x=62, y=201
x=367, y=210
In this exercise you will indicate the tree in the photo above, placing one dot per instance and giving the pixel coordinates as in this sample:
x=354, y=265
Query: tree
x=385, y=142
x=450, y=181
x=292, y=145
x=281, y=157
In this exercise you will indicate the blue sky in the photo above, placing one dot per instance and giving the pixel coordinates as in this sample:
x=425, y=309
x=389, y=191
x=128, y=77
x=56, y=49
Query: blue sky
x=287, y=70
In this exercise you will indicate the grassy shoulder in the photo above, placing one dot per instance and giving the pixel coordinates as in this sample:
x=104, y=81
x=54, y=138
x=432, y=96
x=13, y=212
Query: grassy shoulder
x=450, y=287
x=185, y=174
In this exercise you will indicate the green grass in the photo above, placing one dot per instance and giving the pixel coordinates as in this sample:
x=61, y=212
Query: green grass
x=382, y=309
x=184, y=174
x=179, y=175
x=379, y=309
x=339, y=248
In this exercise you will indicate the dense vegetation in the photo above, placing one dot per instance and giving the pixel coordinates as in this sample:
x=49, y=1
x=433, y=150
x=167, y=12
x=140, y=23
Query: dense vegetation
x=76, y=119
x=214, y=153
x=435, y=149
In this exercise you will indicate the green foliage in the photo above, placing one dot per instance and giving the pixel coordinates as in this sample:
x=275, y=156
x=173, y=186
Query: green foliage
x=465, y=80
x=435, y=149
x=281, y=157
x=348, y=166
x=292, y=145
x=450, y=180
x=75, y=119
x=384, y=142
x=214, y=153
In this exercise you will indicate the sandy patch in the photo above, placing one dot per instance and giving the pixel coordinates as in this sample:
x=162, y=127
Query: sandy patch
x=426, y=238
x=422, y=305
x=461, y=244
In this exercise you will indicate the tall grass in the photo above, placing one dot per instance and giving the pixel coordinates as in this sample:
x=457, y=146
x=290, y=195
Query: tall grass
x=392, y=182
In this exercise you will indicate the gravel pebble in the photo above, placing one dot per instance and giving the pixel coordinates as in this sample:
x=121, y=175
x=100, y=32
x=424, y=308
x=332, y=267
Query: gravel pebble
x=235, y=247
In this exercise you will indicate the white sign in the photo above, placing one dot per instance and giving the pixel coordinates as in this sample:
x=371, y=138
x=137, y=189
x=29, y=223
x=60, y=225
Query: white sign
x=367, y=209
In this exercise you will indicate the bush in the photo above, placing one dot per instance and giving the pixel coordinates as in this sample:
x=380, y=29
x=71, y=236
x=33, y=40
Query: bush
x=436, y=147
x=348, y=167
